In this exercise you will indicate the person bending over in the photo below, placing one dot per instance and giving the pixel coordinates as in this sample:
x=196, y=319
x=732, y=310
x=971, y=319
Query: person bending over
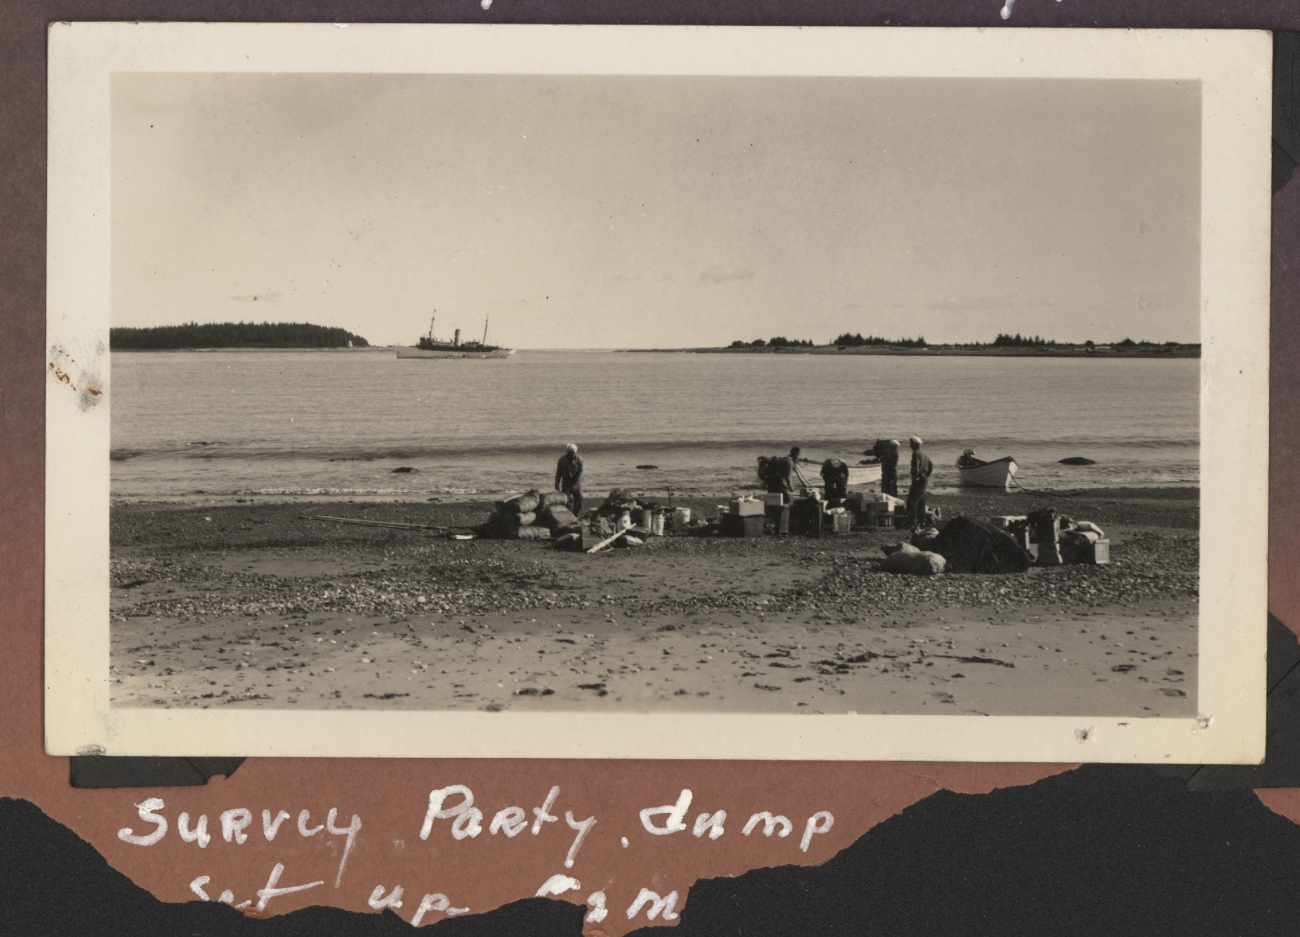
x=568, y=476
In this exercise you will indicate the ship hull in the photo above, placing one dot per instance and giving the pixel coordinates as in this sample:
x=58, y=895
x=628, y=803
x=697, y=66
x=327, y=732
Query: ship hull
x=454, y=353
x=860, y=476
x=996, y=474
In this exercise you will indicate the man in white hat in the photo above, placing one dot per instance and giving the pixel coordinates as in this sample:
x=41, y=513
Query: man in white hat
x=568, y=476
x=922, y=467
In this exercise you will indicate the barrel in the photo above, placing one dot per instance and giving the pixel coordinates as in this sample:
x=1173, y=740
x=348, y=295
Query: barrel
x=681, y=519
x=657, y=523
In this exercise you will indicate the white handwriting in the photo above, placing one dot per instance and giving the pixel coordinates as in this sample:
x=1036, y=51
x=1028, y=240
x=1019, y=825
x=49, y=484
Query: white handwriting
x=665, y=904
x=199, y=833
x=557, y=885
x=273, y=891
x=820, y=822
x=769, y=824
x=711, y=824
x=435, y=902
x=271, y=827
x=234, y=822
x=379, y=901
x=673, y=822
x=146, y=809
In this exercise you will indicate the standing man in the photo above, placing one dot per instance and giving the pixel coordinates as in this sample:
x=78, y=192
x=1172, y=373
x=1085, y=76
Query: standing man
x=886, y=450
x=568, y=476
x=787, y=470
x=921, y=469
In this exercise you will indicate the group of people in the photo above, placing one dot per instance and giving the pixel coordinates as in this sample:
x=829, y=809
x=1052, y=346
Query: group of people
x=835, y=475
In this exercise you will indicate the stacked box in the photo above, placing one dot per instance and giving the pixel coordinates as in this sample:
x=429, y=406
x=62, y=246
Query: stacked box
x=1090, y=554
x=748, y=507
x=1003, y=521
x=880, y=515
x=779, y=515
x=841, y=523
x=806, y=517
x=774, y=499
x=746, y=525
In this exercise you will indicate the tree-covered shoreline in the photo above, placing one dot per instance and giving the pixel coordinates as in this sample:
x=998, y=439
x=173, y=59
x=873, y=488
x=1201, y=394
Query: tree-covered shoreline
x=232, y=335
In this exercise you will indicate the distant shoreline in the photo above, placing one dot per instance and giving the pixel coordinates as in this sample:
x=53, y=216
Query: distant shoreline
x=933, y=351
x=968, y=351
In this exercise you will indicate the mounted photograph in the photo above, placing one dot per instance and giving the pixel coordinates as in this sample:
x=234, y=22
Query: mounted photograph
x=648, y=392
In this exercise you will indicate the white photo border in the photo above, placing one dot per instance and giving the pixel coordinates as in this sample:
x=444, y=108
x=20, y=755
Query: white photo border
x=1234, y=69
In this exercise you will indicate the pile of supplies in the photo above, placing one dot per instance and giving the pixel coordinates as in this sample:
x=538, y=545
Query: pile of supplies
x=1000, y=545
x=622, y=520
x=532, y=515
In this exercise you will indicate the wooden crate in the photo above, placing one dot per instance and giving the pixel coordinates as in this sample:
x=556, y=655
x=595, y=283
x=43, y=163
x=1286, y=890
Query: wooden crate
x=751, y=525
x=779, y=517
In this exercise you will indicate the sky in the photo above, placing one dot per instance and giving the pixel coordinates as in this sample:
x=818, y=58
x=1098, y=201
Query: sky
x=656, y=212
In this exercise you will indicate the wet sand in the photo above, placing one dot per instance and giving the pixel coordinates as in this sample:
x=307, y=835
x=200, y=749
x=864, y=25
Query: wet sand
x=256, y=605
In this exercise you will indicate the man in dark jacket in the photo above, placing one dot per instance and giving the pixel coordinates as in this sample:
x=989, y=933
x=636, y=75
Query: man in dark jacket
x=886, y=450
x=922, y=467
x=835, y=476
x=568, y=476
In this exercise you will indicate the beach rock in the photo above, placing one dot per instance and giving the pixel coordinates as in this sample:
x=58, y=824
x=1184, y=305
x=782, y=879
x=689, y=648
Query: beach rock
x=647, y=466
x=1077, y=460
x=405, y=470
x=914, y=564
x=972, y=546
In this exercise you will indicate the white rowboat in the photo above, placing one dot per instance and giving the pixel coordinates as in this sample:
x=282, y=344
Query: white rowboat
x=996, y=474
x=860, y=476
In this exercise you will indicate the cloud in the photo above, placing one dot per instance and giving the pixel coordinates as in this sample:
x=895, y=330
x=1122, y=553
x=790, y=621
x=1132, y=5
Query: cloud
x=722, y=274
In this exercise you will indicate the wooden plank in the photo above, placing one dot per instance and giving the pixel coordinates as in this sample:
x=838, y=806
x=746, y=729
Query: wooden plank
x=366, y=523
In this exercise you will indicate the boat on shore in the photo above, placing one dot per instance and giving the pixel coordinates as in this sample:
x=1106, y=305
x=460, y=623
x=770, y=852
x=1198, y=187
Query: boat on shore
x=430, y=347
x=807, y=472
x=996, y=474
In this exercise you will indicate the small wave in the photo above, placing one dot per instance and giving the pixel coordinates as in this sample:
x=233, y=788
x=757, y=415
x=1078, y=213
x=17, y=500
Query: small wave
x=356, y=492
x=659, y=447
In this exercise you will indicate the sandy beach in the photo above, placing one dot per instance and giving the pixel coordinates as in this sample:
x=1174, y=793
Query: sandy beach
x=257, y=605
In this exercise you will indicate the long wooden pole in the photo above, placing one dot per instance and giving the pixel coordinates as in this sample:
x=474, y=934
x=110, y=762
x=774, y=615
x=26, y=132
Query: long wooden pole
x=365, y=523
x=622, y=533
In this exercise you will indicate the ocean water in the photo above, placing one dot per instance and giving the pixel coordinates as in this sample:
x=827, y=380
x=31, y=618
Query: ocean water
x=266, y=424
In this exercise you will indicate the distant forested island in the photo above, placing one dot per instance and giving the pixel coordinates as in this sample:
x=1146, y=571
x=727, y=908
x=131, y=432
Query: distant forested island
x=1002, y=346
x=233, y=335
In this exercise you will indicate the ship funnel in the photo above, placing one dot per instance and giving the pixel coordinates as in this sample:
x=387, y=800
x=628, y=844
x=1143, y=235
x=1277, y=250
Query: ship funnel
x=456, y=341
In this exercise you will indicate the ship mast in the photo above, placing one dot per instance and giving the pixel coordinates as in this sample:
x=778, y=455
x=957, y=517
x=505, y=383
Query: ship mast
x=431, y=318
x=485, y=325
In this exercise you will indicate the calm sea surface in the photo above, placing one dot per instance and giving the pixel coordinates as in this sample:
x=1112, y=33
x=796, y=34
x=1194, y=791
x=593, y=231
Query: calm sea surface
x=267, y=423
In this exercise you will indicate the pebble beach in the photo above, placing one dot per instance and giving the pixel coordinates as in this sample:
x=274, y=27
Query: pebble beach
x=262, y=605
